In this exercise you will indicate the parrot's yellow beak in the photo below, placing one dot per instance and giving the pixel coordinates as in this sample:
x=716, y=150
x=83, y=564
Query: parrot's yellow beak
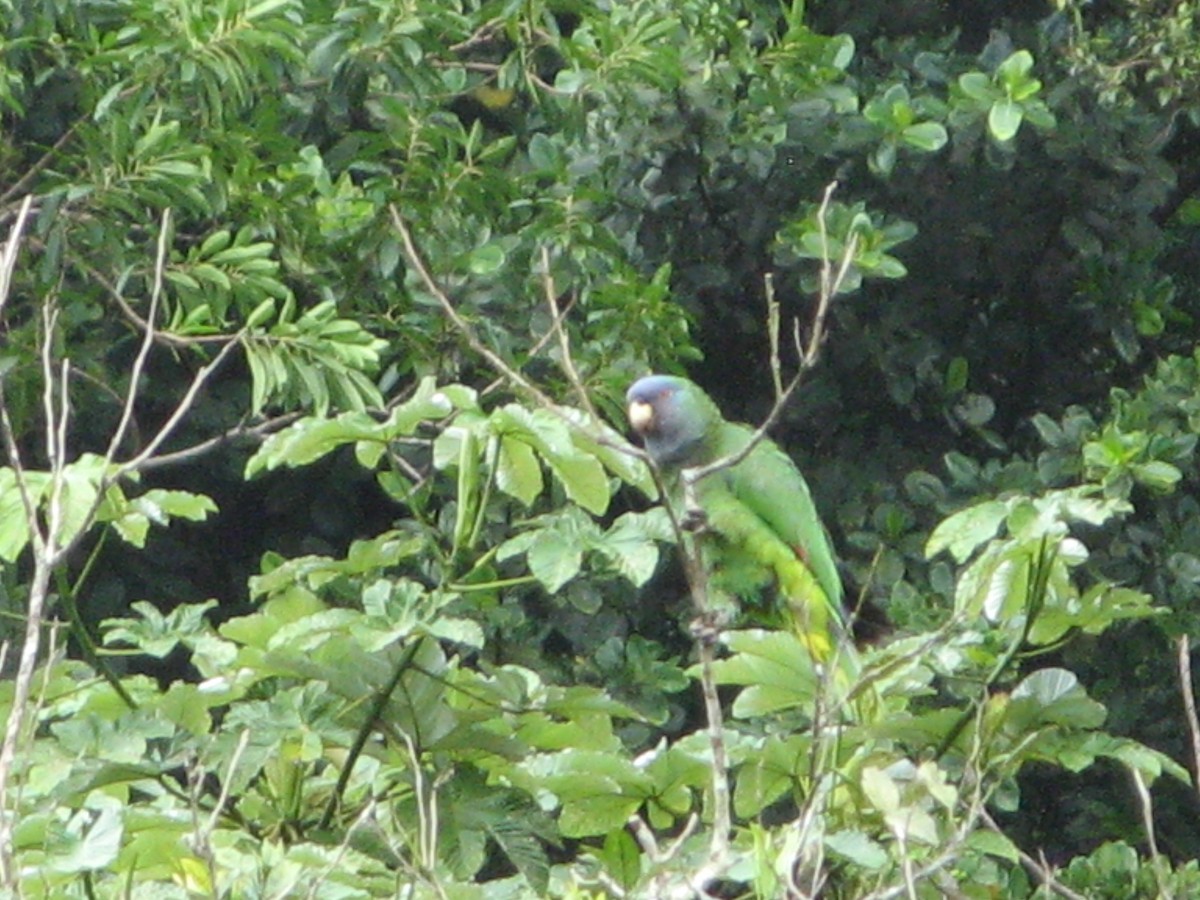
x=641, y=416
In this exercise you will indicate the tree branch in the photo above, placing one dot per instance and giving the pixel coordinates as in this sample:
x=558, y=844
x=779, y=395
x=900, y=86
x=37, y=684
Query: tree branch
x=1183, y=650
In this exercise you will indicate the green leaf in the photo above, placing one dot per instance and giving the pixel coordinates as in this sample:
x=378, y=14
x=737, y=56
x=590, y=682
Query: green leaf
x=93, y=842
x=775, y=669
x=1053, y=696
x=1004, y=120
x=14, y=531
x=964, y=531
x=553, y=560
x=581, y=474
x=630, y=543
x=518, y=473
x=880, y=790
x=1016, y=68
x=621, y=857
x=1157, y=475
x=976, y=85
x=927, y=136
x=486, y=259
x=857, y=847
x=994, y=843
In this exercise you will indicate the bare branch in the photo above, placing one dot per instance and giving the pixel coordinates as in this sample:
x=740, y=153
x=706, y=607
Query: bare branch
x=1041, y=870
x=501, y=366
x=139, y=362
x=165, y=338
x=241, y=430
x=44, y=160
x=8, y=257
x=564, y=341
x=1184, y=660
x=1147, y=808
x=773, y=332
x=830, y=284
x=493, y=359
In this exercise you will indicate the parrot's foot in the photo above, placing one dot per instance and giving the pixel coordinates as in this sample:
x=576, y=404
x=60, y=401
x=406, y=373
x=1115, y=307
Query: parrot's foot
x=708, y=626
x=694, y=519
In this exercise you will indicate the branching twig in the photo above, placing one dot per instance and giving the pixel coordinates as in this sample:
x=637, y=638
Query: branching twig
x=165, y=338
x=564, y=340
x=51, y=537
x=831, y=283
x=491, y=357
x=139, y=362
x=241, y=430
x=1040, y=870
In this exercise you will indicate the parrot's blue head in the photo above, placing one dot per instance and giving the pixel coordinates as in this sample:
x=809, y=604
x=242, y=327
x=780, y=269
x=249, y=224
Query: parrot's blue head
x=672, y=415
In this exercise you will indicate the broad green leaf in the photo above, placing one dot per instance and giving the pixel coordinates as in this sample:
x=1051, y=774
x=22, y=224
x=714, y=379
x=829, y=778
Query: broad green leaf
x=1053, y=696
x=994, y=843
x=517, y=470
x=94, y=841
x=1004, y=120
x=14, y=531
x=486, y=259
x=775, y=669
x=553, y=559
x=880, y=790
x=976, y=85
x=965, y=530
x=857, y=847
x=927, y=136
x=621, y=857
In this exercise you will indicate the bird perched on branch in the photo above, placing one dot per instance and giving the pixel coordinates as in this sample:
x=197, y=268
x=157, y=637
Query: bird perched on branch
x=759, y=530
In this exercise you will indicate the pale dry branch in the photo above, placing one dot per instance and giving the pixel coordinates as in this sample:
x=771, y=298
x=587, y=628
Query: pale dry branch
x=48, y=537
x=809, y=356
x=139, y=362
x=1183, y=653
x=497, y=362
x=8, y=256
x=465, y=328
x=226, y=783
x=1146, y=805
x=564, y=340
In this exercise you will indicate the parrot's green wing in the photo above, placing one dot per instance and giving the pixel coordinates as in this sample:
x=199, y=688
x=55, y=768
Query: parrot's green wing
x=767, y=530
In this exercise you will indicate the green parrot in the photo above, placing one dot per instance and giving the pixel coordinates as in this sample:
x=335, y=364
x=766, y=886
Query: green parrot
x=761, y=529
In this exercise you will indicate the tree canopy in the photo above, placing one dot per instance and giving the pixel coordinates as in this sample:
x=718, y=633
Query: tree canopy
x=327, y=568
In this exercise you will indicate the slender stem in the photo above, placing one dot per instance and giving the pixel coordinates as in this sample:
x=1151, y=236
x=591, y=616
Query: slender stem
x=403, y=664
x=1183, y=650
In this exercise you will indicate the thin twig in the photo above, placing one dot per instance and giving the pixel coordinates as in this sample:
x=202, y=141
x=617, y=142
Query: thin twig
x=226, y=783
x=44, y=160
x=495, y=360
x=241, y=430
x=773, y=333
x=8, y=258
x=139, y=362
x=593, y=429
x=165, y=338
x=1147, y=809
x=564, y=341
x=1183, y=646
x=1042, y=871
x=809, y=356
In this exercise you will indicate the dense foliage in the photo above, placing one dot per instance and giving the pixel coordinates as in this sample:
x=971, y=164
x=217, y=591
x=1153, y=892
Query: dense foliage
x=327, y=571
